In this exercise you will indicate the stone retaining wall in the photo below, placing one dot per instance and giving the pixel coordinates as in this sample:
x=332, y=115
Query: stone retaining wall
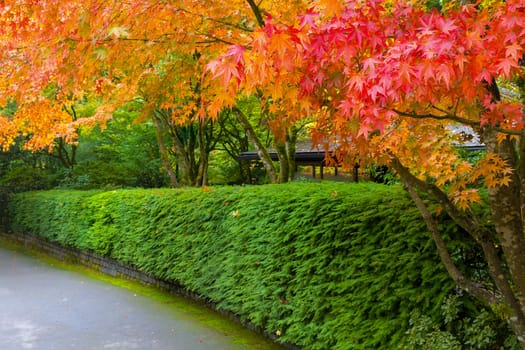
x=95, y=261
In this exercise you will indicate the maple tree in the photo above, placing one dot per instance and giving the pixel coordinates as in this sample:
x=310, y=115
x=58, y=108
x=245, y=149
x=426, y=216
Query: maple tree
x=383, y=81
x=118, y=51
x=391, y=82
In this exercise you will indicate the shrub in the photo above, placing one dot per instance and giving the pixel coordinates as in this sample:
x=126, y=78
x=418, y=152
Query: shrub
x=324, y=265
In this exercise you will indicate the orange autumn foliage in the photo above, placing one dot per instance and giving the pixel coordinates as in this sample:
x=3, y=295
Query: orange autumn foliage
x=118, y=51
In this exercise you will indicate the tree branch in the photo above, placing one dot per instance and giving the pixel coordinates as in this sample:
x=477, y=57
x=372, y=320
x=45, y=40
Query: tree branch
x=455, y=118
x=211, y=19
x=467, y=224
x=482, y=236
x=475, y=289
x=261, y=150
x=437, y=117
x=257, y=12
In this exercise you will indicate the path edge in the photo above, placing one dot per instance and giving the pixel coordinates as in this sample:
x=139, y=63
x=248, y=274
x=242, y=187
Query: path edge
x=114, y=268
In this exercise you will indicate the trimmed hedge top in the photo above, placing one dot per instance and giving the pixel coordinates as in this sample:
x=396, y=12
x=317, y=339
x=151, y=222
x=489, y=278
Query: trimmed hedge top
x=325, y=265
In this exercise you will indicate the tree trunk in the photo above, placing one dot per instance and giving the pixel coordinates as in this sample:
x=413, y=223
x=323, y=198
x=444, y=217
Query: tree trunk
x=284, y=165
x=508, y=298
x=291, y=143
x=202, y=177
x=244, y=171
x=60, y=152
x=184, y=162
x=286, y=154
x=67, y=157
x=164, y=154
x=508, y=218
x=261, y=150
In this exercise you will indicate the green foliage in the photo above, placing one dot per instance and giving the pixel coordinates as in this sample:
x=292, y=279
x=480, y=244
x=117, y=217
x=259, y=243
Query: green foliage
x=325, y=265
x=9, y=109
x=381, y=174
x=21, y=170
x=124, y=154
x=459, y=329
x=425, y=335
x=23, y=177
x=471, y=156
x=223, y=169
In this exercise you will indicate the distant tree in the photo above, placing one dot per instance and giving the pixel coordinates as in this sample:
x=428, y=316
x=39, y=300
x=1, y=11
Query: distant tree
x=122, y=154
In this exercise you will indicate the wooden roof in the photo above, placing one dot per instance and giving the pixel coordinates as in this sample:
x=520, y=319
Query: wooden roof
x=301, y=157
x=306, y=155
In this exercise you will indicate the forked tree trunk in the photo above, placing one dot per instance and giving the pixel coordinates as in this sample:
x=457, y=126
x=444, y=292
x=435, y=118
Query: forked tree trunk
x=508, y=272
x=502, y=240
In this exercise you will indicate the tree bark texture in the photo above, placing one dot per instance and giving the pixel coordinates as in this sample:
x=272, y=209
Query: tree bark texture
x=508, y=272
x=261, y=150
x=164, y=154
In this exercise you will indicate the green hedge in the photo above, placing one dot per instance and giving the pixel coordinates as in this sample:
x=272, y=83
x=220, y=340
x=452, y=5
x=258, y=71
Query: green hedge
x=326, y=265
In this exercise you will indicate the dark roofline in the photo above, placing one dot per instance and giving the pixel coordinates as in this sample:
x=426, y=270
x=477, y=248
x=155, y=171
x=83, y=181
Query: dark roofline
x=474, y=148
x=301, y=157
x=307, y=156
x=318, y=156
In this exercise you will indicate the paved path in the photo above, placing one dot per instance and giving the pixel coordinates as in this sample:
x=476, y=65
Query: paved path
x=45, y=308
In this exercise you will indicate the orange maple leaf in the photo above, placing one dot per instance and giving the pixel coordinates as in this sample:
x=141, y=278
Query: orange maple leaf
x=331, y=7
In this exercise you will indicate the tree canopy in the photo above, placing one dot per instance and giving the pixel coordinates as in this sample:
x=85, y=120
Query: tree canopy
x=115, y=50
x=392, y=82
x=389, y=82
